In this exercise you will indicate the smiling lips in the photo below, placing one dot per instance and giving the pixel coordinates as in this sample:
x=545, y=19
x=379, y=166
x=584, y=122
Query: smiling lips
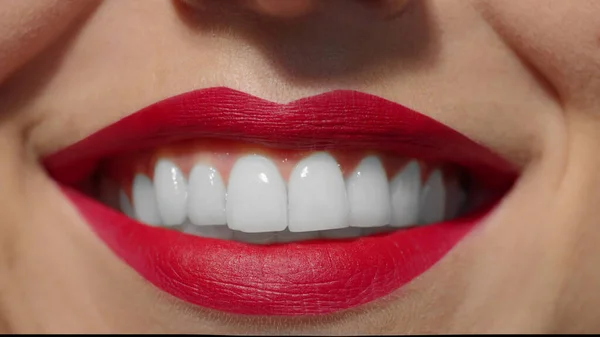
x=301, y=180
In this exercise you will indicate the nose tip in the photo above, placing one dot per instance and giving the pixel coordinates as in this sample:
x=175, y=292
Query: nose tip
x=283, y=8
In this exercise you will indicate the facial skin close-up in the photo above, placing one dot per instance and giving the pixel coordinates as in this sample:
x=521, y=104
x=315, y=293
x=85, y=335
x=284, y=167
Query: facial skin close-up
x=333, y=167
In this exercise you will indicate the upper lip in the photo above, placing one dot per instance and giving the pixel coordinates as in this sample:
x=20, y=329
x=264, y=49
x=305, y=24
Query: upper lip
x=284, y=279
x=339, y=119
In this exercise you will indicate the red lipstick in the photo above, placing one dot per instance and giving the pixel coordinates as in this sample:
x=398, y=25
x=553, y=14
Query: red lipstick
x=306, y=278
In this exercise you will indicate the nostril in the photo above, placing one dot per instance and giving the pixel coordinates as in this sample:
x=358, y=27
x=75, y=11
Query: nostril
x=296, y=8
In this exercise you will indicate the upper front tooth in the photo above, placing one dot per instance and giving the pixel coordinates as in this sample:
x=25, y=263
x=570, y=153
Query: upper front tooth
x=144, y=200
x=369, y=194
x=433, y=199
x=206, y=197
x=405, y=191
x=171, y=192
x=256, y=196
x=317, y=195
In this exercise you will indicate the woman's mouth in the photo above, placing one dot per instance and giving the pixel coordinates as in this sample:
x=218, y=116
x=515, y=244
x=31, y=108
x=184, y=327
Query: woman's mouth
x=241, y=205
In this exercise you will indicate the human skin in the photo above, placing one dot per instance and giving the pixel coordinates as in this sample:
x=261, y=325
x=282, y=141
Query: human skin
x=521, y=77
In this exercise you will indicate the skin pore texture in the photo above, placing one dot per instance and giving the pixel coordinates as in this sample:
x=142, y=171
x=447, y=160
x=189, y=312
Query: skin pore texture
x=520, y=77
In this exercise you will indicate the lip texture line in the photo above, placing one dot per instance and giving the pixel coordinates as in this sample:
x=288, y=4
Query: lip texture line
x=308, y=278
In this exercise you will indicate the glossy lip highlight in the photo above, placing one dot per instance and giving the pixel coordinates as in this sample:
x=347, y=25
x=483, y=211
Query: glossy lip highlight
x=308, y=278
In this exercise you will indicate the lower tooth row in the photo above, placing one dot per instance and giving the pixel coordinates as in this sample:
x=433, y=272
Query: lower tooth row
x=316, y=197
x=225, y=233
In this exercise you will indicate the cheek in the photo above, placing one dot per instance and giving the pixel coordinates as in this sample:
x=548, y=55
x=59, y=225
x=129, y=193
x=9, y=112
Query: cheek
x=11, y=197
x=560, y=39
x=27, y=27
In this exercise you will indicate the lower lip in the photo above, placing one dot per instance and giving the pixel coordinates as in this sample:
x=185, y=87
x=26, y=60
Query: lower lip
x=295, y=279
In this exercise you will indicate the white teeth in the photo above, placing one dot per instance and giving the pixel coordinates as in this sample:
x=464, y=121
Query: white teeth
x=256, y=206
x=433, y=199
x=369, y=194
x=256, y=238
x=317, y=195
x=342, y=233
x=144, y=200
x=405, y=191
x=256, y=196
x=215, y=232
x=206, y=197
x=171, y=192
x=125, y=205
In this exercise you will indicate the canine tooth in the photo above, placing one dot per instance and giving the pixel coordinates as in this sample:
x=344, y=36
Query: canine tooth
x=256, y=238
x=405, y=191
x=206, y=197
x=433, y=199
x=144, y=200
x=256, y=196
x=171, y=192
x=341, y=233
x=214, y=232
x=369, y=194
x=125, y=205
x=317, y=195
